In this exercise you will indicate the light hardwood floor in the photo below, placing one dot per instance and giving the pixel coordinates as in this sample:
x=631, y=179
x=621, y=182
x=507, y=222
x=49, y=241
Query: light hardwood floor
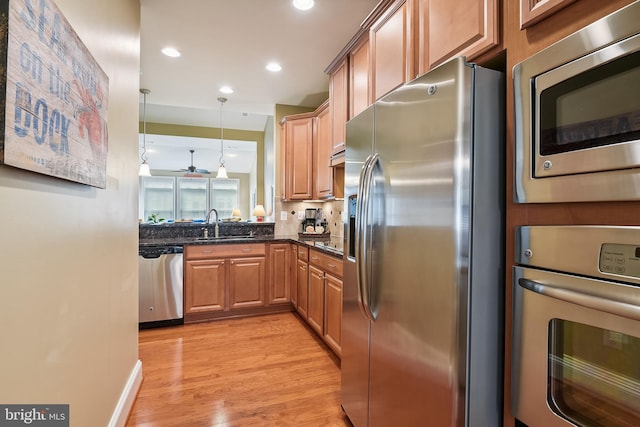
x=260, y=371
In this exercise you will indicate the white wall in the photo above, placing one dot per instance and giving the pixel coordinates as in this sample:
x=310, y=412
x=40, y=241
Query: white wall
x=68, y=269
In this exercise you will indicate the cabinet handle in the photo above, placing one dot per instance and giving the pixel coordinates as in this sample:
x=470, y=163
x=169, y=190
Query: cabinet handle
x=206, y=252
x=314, y=258
x=331, y=265
x=246, y=250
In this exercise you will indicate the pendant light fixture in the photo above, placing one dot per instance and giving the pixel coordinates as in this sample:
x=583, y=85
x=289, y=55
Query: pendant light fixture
x=144, y=166
x=222, y=171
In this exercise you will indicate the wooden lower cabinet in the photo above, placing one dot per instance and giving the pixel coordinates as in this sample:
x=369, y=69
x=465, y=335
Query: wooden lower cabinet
x=246, y=282
x=325, y=298
x=204, y=285
x=303, y=288
x=315, y=316
x=230, y=280
x=333, y=312
x=294, y=275
x=279, y=273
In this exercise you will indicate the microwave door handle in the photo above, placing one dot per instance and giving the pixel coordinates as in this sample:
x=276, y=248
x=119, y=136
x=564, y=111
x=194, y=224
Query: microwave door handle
x=585, y=299
x=362, y=237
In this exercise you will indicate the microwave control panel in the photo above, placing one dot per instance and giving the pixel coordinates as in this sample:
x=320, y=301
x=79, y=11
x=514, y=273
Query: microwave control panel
x=623, y=260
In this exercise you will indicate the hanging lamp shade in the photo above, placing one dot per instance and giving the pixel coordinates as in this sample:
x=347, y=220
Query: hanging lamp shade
x=144, y=166
x=222, y=170
x=144, y=169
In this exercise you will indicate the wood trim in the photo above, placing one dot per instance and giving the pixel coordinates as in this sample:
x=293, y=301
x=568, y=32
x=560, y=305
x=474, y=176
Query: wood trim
x=240, y=312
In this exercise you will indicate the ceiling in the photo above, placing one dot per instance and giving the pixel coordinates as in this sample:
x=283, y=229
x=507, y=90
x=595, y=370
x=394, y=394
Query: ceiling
x=229, y=42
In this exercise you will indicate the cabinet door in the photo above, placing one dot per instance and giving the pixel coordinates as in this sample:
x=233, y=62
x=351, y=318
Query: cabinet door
x=303, y=288
x=322, y=171
x=359, y=82
x=315, y=316
x=279, y=277
x=391, y=48
x=333, y=312
x=451, y=28
x=532, y=11
x=246, y=282
x=294, y=275
x=338, y=106
x=204, y=286
x=299, y=154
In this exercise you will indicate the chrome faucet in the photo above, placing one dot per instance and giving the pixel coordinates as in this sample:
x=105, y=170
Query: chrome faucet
x=216, y=228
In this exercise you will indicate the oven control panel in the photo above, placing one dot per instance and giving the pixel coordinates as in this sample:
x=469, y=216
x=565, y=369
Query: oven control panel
x=623, y=260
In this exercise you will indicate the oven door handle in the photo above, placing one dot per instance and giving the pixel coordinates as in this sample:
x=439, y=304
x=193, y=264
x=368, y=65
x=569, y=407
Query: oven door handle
x=609, y=305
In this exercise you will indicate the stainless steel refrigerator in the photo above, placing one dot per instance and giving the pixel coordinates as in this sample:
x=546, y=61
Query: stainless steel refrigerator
x=422, y=337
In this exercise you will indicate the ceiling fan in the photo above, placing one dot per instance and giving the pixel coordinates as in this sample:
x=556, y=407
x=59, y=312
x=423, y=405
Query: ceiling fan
x=192, y=169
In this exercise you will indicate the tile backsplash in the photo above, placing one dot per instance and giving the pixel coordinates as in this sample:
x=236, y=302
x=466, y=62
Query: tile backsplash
x=332, y=212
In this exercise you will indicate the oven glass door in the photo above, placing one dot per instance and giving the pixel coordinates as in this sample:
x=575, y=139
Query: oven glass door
x=588, y=113
x=576, y=351
x=594, y=375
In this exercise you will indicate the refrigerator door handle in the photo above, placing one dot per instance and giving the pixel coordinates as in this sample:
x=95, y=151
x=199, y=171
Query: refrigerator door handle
x=362, y=237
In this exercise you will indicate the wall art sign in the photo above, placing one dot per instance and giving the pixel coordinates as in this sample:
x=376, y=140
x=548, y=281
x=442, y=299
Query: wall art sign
x=53, y=118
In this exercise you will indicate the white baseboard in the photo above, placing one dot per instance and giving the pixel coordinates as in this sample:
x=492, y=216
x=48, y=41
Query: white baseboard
x=128, y=397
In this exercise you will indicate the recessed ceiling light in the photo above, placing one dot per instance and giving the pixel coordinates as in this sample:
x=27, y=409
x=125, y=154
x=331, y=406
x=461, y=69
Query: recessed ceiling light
x=273, y=66
x=226, y=89
x=171, y=52
x=303, y=4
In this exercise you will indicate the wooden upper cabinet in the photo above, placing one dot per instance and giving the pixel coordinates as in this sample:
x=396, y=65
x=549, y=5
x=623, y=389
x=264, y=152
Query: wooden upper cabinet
x=450, y=28
x=338, y=106
x=322, y=171
x=359, y=82
x=307, y=143
x=532, y=11
x=392, y=49
x=298, y=158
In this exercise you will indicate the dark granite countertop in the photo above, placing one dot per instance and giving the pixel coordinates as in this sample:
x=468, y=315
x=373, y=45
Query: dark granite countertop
x=180, y=235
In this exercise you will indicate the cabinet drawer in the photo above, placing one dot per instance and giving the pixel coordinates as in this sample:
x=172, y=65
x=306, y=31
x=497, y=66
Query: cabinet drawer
x=327, y=263
x=223, y=250
x=303, y=253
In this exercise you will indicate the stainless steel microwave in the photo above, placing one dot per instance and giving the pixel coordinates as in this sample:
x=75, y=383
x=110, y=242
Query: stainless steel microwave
x=577, y=115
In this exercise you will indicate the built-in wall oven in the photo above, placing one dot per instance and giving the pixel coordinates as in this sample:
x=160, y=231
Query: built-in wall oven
x=577, y=115
x=576, y=326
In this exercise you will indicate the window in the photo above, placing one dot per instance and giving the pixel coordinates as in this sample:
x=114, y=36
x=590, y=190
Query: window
x=157, y=195
x=192, y=198
x=224, y=196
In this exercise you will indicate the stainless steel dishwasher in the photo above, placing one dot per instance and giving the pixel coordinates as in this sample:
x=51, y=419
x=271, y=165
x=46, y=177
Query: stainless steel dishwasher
x=160, y=286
